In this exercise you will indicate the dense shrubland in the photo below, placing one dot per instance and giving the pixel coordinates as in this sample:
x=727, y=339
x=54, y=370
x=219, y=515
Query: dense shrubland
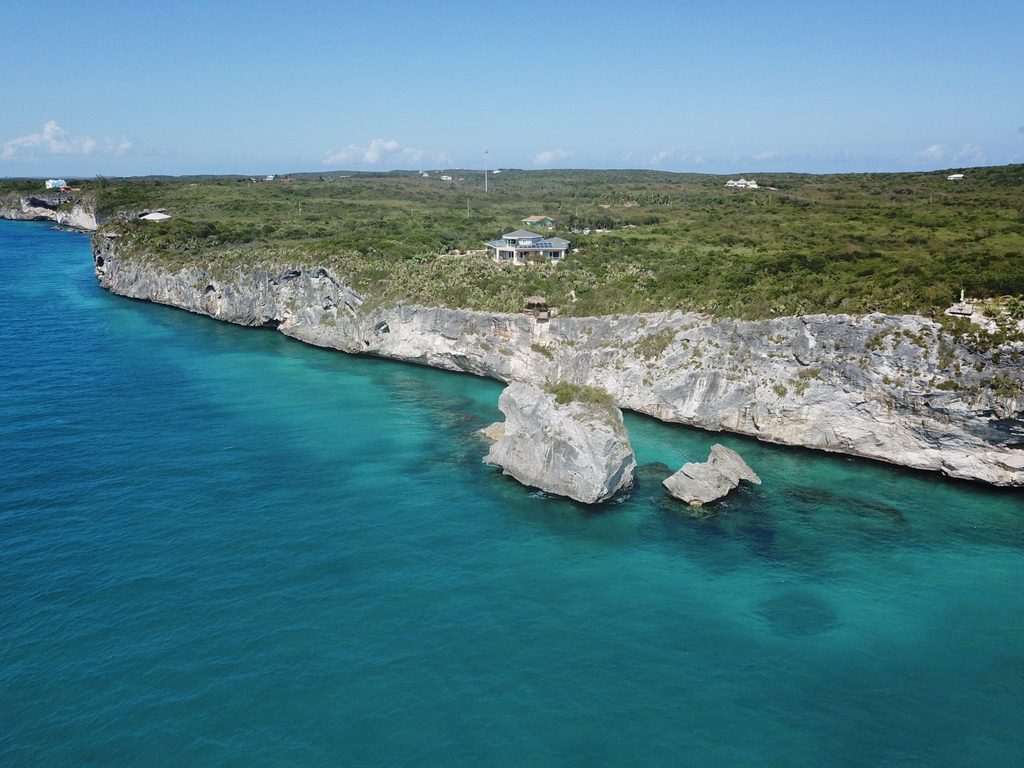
x=906, y=242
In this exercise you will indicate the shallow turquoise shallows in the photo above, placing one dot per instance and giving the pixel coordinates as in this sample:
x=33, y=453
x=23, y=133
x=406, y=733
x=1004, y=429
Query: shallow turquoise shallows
x=221, y=547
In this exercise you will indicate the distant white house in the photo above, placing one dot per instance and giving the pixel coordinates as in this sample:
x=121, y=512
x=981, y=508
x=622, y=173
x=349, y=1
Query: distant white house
x=521, y=246
x=495, y=172
x=155, y=216
x=538, y=221
x=955, y=177
x=55, y=183
x=269, y=177
x=425, y=175
x=446, y=178
x=742, y=183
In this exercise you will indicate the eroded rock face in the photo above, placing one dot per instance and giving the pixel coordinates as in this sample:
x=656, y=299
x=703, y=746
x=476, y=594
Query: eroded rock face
x=892, y=388
x=698, y=483
x=60, y=207
x=579, y=450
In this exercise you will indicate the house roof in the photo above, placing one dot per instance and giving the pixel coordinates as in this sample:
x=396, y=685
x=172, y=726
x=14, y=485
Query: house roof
x=519, y=234
x=538, y=218
x=496, y=243
x=557, y=243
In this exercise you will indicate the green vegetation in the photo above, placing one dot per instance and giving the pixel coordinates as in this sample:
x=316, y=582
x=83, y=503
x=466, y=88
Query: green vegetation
x=654, y=344
x=566, y=393
x=906, y=242
x=543, y=349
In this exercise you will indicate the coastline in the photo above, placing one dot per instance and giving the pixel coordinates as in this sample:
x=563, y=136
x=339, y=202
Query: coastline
x=65, y=210
x=897, y=389
x=892, y=388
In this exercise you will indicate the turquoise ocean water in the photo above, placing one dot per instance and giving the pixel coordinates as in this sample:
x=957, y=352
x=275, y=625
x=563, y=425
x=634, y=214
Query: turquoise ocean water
x=221, y=547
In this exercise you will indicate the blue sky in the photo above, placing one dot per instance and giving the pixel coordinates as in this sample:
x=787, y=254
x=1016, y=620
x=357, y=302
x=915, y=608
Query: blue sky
x=180, y=87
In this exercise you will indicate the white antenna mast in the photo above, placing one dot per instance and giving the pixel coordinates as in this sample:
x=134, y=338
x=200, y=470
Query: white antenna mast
x=485, y=169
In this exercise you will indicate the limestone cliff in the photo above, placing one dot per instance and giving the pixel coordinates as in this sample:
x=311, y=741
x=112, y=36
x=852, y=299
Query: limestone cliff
x=892, y=388
x=64, y=208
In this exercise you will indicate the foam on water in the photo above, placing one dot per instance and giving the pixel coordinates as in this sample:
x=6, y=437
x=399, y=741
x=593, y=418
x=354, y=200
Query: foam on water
x=219, y=547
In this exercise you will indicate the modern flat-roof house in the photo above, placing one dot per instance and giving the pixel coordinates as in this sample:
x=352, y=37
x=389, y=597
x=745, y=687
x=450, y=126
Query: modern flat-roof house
x=521, y=246
x=955, y=177
x=538, y=221
x=55, y=183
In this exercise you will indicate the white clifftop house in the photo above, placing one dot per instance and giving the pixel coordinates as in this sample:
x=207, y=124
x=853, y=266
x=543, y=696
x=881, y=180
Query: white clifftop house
x=521, y=246
x=55, y=183
x=742, y=183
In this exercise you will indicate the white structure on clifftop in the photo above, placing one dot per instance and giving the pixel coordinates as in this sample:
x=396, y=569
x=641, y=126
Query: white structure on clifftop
x=742, y=183
x=55, y=183
x=521, y=246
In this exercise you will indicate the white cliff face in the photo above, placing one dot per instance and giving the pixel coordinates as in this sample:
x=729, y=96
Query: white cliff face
x=579, y=450
x=892, y=388
x=46, y=207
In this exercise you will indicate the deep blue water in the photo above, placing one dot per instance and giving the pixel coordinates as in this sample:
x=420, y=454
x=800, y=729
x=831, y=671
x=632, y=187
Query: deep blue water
x=221, y=547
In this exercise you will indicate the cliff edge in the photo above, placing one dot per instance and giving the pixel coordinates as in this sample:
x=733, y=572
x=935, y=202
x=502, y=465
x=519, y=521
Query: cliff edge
x=64, y=208
x=893, y=388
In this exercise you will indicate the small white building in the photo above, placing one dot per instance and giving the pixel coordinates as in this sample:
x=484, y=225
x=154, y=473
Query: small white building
x=955, y=177
x=742, y=183
x=446, y=178
x=55, y=183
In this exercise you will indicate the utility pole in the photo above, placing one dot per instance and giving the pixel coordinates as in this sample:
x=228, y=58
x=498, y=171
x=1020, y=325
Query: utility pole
x=485, y=170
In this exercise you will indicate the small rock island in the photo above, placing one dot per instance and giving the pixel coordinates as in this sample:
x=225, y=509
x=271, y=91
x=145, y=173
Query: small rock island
x=699, y=483
x=567, y=440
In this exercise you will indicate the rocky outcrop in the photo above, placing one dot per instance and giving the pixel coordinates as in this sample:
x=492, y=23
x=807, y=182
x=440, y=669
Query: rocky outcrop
x=64, y=208
x=698, y=483
x=577, y=449
x=494, y=431
x=892, y=388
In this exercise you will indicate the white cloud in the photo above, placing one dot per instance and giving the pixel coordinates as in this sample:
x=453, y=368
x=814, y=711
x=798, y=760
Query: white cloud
x=374, y=153
x=768, y=154
x=660, y=157
x=51, y=140
x=934, y=152
x=550, y=156
x=118, y=147
x=971, y=153
x=968, y=153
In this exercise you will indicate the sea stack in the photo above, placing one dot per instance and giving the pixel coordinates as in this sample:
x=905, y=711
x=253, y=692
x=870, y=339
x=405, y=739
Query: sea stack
x=572, y=444
x=698, y=483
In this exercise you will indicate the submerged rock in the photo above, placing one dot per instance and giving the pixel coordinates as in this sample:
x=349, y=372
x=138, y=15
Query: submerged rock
x=698, y=483
x=577, y=449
